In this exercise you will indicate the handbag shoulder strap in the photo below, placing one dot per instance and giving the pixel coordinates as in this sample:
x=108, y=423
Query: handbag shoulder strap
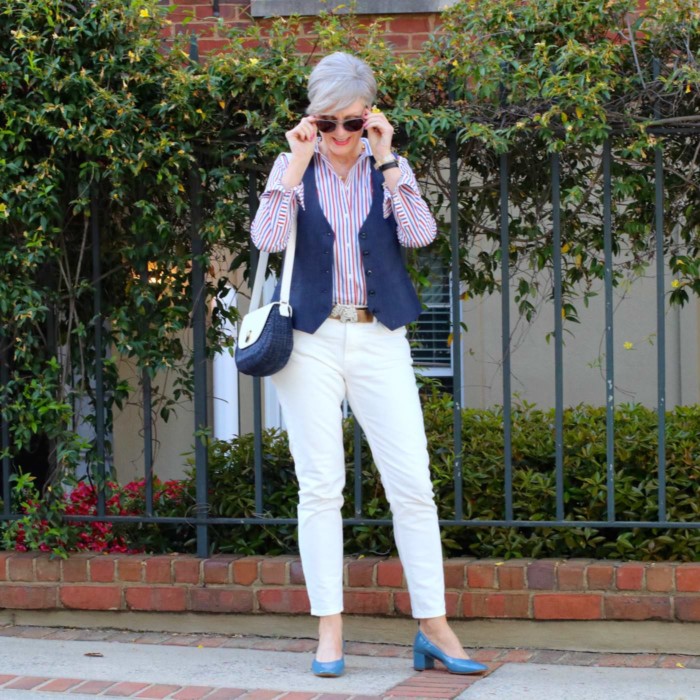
x=287, y=267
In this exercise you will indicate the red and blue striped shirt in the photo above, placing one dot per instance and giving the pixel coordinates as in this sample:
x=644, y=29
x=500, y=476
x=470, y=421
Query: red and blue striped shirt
x=346, y=206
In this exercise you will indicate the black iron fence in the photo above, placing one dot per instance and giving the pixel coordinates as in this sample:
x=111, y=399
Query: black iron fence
x=202, y=519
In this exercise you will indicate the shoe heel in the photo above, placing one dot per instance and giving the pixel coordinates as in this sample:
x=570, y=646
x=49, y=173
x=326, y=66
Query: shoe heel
x=421, y=662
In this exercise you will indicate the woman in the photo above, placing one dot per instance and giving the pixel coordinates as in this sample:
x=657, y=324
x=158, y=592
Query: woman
x=356, y=203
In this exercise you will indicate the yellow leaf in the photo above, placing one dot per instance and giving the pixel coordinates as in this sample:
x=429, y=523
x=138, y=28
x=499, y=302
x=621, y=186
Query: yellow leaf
x=628, y=345
x=450, y=338
x=565, y=248
x=222, y=104
x=144, y=13
x=579, y=112
x=687, y=88
x=579, y=260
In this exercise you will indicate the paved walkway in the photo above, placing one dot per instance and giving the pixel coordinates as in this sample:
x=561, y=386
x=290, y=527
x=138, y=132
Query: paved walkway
x=42, y=663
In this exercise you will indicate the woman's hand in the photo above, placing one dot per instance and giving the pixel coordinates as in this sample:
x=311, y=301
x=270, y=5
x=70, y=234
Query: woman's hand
x=302, y=144
x=302, y=139
x=379, y=133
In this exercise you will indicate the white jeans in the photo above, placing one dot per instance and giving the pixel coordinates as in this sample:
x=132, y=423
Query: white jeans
x=372, y=366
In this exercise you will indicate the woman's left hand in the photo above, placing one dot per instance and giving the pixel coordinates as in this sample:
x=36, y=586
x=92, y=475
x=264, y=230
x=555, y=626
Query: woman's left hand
x=379, y=133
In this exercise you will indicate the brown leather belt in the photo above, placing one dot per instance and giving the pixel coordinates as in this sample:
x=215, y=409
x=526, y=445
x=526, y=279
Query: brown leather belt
x=351, y=314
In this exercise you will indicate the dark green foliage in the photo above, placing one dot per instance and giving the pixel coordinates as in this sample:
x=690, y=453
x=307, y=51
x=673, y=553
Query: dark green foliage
x=534, y=485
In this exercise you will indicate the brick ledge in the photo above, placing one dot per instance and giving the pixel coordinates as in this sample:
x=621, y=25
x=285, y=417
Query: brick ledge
x=525, y=589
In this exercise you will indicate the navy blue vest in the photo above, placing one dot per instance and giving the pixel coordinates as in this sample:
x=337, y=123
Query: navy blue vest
x=391, y=296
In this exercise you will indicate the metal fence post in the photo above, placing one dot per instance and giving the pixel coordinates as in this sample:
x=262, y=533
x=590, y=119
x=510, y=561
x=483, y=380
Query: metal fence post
x=99, y=348
x=5, y=427
x=660, y=308
x=609, y=331
x=558, y=336
x=199, y=341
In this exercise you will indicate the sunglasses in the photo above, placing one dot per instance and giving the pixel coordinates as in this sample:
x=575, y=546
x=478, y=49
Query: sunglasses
x=326, y=126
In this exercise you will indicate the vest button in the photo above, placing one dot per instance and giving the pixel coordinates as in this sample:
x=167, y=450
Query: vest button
x=365, y=252
x=363, y=235
x=368, y=272
x=372, y=292
x=329, y=233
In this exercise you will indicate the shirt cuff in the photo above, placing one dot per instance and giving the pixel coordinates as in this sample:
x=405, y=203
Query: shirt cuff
x=297, y=192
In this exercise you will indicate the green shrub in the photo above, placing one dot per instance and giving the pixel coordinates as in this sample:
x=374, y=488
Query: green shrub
x=534, y=485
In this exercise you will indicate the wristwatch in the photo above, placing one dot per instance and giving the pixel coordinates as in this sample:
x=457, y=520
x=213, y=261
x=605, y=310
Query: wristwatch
x=386, y=163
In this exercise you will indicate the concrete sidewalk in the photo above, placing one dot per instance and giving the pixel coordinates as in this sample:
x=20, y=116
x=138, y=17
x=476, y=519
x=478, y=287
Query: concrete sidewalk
x=41, y=662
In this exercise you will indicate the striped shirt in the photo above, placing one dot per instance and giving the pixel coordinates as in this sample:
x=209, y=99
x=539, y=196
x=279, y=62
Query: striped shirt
x=346, y=206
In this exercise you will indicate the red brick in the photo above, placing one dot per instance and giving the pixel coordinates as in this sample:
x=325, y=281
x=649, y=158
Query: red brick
x=130, y=568
x=541, y=575
x=496, y=605
x=213, y=45
x=60, y=685
x=481, y=574
x=75, y=568
x=91, y=597
x=165, y=599
x=399, y=42
x=287, y=600
x=245, y=571
x=216, y=571
x=226, y=694
x=28, y=597
x=417, y=41
x=221, y=600
x=453, y=603
x=102, y=569
x=411, y=24
x=630, y=577
x=274, y=570
x=402, y=603
x=158, y=570
x=157, y=692
x=20, y=566
x=368, y=602
x=688, y=609
x=567, y=606
x=632, y=607
x=390, y=573
x=26, y=682
x=186, y=570
x=360, y=573
x=511, y=575
x=296, y=574
x=47, y=569
x=92, y=687
x=600, y=577
x=455, y=573
x=688, y=578
x=204, y=11
x=571, y=575
x=126, y=689
x=4, y=557
x=660, y=578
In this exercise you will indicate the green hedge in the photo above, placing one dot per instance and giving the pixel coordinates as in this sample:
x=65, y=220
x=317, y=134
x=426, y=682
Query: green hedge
x=232, y=492
x=534, y=487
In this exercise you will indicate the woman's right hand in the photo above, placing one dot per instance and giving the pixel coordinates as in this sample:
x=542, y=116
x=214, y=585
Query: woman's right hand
x=302, y=139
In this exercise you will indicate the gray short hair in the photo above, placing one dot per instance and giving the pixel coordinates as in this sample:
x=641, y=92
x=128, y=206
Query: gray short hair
x=337, y=81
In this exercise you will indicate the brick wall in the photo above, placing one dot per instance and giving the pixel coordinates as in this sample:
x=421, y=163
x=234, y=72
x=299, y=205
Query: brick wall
x=519, y=589
x=405, y=32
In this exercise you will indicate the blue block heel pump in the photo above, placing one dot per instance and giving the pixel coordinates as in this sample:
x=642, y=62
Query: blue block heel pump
x=328, y=669
x=425, y=653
